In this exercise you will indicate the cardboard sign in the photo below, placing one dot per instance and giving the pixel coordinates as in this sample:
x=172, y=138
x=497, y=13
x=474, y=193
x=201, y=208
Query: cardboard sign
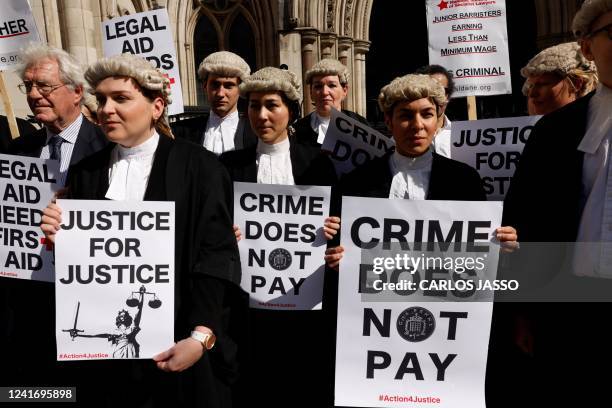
x=114, y=279
x=282, y=245
x=493, y=147
x=470, y=39
x=148, y=35
x=27, y=185
x=17, y=29
x=352, y=143
x=398, y=347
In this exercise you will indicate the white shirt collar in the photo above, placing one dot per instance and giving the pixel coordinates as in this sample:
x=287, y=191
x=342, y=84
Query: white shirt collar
x=447, y=123
x=215, y=120
x=273, y=149
x=70, y=133
x=130, y=168
x=404, y=163
x=143, y=150
x=274, y=163
x=319, y=124
x=600, y=120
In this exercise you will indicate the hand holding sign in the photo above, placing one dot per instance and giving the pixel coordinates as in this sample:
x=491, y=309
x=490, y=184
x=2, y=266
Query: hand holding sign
x=51, y=221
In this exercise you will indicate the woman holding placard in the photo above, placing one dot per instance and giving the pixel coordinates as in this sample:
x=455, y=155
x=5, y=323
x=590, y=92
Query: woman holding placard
x=144, y=162
x=283, y=356
x=412, y=106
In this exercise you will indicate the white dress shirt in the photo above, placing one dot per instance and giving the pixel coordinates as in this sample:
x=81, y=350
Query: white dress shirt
x=442, y=140
x=595, y=226
x=69, y=136
x=220, y=132
x=410, y=175
x=274, y=163
x=319, y=124
x=129, y=170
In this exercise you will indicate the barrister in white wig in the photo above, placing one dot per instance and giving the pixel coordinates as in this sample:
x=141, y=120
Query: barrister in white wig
x=224, y=128
x=557, y=76
x=561, y=193
x=283, y=356
x=143, y=162
x=328, y=84
x=413, y=171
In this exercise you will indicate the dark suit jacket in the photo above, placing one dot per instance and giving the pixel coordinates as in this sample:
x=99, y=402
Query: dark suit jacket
x=193, y=130
x=450, y=180
x=544, y=205
x=25, y=128
x=543, y=201
x=90, y=140
x=310, y=166
x=306, y=135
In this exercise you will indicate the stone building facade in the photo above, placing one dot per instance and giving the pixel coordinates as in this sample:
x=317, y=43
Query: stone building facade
x=266, y=32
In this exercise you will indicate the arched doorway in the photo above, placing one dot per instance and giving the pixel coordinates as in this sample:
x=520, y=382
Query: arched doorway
x=222, y=25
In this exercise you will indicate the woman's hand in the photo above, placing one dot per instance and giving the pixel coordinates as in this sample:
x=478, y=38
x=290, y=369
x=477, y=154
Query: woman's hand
x=333, y=256
x=181, y=356
x=508, y=238
x=237, y=232
x=331, y=226
x=51, y=221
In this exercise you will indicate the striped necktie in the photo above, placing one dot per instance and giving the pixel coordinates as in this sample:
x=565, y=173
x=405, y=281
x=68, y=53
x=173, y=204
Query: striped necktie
x=55, y=147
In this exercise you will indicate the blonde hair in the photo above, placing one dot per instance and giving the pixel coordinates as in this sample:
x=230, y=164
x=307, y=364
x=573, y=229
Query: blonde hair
x=151, y=80
x=410, y=88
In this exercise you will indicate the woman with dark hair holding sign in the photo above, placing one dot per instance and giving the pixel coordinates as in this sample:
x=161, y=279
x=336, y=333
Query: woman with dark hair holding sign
x=144, y=162
x=412, y=105
x=283, y=356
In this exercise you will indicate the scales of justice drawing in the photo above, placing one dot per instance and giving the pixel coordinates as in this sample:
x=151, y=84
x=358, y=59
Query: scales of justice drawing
x=127, y=327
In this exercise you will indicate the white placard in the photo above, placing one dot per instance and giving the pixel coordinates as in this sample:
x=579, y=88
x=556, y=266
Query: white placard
x=493, y=147
x=470, y=39
x=114, y=283
x=27, y=185
x=394, y=350
x=17, y=29
x=282, y=245
x=149, y=35
x=353, y=143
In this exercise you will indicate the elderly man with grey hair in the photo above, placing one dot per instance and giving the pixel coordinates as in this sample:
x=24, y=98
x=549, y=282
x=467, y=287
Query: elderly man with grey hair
x=562, y=192
x=53, y=83
x=224, y=128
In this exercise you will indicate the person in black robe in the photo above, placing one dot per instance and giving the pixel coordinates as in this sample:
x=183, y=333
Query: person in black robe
x=414, y=170
x=327, y=82
x=283, y=355
x=133, y=99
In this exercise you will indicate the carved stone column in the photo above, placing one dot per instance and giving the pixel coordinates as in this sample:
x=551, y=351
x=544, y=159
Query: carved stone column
x=360, y=48
x=345, y=45
x=78, y=23
x=309, y=57
x=328, y=45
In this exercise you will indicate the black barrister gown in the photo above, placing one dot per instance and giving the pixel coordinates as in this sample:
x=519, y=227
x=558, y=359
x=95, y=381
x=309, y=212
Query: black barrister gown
x=207, y=275
x=453, y=180
x=291, y=351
